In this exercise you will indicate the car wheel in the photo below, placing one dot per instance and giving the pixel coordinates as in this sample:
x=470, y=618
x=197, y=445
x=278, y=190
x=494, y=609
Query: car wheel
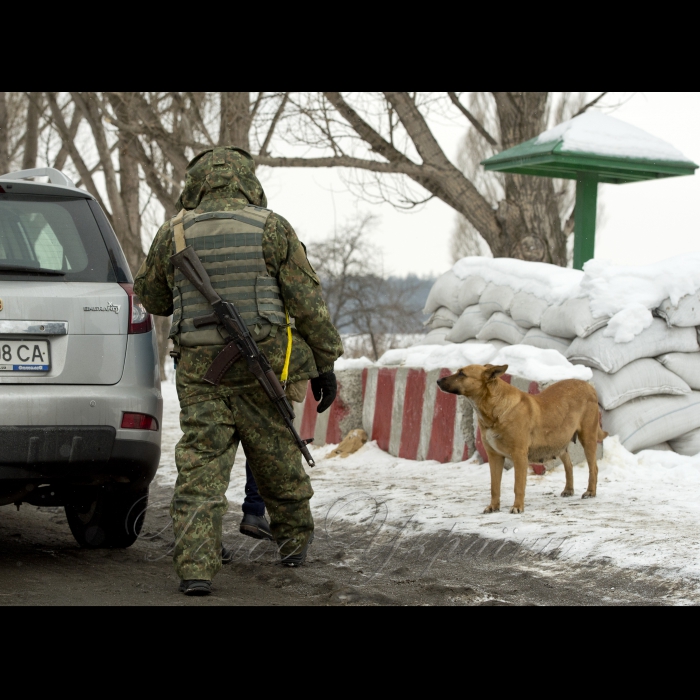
x=109, y=520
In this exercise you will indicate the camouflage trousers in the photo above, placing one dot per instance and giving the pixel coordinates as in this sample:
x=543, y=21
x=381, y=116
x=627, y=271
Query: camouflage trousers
x=204, y=457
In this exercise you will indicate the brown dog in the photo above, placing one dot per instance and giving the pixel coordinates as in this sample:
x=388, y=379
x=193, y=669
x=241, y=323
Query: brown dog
x=529, y=428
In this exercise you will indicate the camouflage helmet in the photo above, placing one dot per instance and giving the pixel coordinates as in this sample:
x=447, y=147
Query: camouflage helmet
x=223, y=172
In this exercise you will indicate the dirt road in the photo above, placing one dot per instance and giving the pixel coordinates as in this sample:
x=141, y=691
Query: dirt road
x=365, y=563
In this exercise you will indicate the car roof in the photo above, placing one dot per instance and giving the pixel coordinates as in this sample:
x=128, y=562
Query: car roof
x=59, y=183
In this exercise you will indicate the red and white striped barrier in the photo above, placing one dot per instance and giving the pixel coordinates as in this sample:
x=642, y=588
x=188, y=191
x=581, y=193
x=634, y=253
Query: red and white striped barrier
x=408, y=416
x=344, y=415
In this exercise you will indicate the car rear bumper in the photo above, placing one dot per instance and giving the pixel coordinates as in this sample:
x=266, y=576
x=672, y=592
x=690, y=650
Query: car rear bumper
x=72, y=435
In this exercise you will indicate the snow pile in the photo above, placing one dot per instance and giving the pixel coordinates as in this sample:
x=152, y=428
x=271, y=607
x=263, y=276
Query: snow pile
x=600, y=134
x=429, y=357
x=539, y=365
x=549, y=323
x=343, y=363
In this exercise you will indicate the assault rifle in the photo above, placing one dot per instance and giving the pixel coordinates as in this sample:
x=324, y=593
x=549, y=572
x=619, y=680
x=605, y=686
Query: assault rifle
x=240, y=343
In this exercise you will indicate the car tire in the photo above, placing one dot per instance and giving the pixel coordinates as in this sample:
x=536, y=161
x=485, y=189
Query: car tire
x=110, y=519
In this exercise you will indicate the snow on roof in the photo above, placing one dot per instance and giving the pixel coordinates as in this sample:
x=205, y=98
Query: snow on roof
x=600, y=134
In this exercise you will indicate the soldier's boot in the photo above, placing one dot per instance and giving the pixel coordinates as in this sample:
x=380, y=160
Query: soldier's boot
x=296, y=558
x=255, y=526
x=195, y=587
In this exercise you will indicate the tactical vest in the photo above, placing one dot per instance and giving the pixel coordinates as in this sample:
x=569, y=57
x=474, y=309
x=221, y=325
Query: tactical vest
x=229, y=244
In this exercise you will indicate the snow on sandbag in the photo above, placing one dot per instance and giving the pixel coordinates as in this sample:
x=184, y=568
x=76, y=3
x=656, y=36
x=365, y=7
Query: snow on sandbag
x=685, y=364
x=501, y=327
x=496, y=297
x=605, y=354
x=470, y=291
x=435, y=337
x=661, y=447
x=539, y=339
x=539, y=365
x=625, y=325
x=527, y=309
x=467, y=325
x=645, y=377
x=570, y=319
x=685, y=313
x=688, y=444
x=442, y=318
x=444, y=293
x=647, y=421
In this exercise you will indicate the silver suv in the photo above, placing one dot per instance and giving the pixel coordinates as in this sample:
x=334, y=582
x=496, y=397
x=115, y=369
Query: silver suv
x=80, y=400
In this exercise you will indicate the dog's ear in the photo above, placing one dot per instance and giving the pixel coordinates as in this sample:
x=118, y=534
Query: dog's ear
x=494, y=371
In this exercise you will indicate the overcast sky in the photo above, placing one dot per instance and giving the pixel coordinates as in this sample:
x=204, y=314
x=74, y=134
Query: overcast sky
x=643, y=222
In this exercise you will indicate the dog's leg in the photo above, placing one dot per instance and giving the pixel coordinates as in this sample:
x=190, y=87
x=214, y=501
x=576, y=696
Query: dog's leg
x=590, y=446
x=496, y=462
x=521, y=464
x=569, y=469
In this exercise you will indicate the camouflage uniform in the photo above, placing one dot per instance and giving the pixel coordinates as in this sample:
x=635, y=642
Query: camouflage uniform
x=215, y=418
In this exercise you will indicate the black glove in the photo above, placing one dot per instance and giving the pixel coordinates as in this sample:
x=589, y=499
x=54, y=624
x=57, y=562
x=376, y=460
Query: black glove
x=324, y=386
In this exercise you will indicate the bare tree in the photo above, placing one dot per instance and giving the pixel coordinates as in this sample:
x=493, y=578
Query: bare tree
x=388, y=136
x=361, y=301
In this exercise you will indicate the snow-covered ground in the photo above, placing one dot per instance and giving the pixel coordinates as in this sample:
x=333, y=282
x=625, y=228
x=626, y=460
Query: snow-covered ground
x=646, y=515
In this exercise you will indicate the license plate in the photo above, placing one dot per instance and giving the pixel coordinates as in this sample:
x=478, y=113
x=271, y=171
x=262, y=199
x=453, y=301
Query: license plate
x=24, y=356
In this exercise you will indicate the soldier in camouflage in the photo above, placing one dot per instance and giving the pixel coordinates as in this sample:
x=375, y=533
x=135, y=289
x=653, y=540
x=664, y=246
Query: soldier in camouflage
x=215, y=418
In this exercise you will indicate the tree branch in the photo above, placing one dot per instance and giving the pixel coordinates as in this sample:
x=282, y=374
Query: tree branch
x=590, y=104
x=475, y=122
x=75, y=156
x=376, y=142
x=273, y=124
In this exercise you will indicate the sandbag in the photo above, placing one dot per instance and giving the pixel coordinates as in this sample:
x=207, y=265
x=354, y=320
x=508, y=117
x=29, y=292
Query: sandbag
x=539, y=339
x=467, y=325
x=496, y=297
x=644, y=377
x=661, y=447
x=570, y=319
x=435, y=337
x=685, y=313
x=605, y=354
x=501, y=327
x=470, y=291
x=527, y=309
x=688, y=444
x=442, y=318
x=444, y=293
x=647, y=421
x=685, y=364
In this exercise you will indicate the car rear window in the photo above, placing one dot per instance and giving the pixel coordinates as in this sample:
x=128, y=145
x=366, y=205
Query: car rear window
x=52, y=234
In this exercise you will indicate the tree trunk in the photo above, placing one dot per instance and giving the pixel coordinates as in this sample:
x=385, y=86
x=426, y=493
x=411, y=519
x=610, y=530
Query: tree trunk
x=31, y=139
x=235, y=120
x=4, y=136
x=529, y=217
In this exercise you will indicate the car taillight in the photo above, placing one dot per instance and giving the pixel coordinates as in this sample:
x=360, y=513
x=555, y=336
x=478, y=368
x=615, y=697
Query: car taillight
x=140, y=321
x=139, y=421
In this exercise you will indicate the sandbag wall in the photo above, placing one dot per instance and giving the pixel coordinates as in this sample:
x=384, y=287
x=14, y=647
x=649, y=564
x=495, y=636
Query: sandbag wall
x=648, y=382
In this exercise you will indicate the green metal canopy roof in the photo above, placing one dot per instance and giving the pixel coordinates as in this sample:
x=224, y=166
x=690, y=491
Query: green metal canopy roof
x=592, y=148
x=552, y=160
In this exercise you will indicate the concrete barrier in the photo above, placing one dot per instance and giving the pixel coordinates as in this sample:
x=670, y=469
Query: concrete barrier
x=409, y=417
x=344, y=415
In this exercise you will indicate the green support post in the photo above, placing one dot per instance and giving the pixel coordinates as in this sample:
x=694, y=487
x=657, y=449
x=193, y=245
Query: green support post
x=584, y=219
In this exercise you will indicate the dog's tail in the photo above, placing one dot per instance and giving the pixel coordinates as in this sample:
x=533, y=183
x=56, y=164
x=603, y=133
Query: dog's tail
x=601, y=433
